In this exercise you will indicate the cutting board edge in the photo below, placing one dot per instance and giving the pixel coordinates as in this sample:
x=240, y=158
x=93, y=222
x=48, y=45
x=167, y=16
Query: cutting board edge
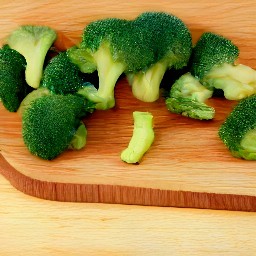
x=128, y=195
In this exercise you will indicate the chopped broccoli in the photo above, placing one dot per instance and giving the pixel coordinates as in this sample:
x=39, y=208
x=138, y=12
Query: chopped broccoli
x=238, y=132
x=13, y=87
x=187, y=97
x=33, y=42
x=143, y=49
x=52, y=124
x=101, y=49
x=61, y=76
x=213, y=62
x=169, y=39
x=142, y=138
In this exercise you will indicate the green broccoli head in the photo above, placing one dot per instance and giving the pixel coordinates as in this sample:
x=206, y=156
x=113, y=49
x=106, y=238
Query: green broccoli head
x=13, y=87
x=99, y=51
x=187, y=97
x=212, y=50
x=143, y=49
x=51, y=122
x=213, y=63
x=169, y=39
x=238, y=132
x=61, y=76
x=33, y=42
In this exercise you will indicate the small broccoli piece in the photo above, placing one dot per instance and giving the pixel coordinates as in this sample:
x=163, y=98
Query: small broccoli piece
x=13, y=87
x=33, y=42
x=238, y=132
x=142, y=138
x=187, y=97
x=213, y=62
x=52, y=124
x=61, y=76
x=169, y=39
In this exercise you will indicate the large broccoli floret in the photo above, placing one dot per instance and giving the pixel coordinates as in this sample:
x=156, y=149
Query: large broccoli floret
x=238, y=132
x=61, y=76
x=143, y=49
x=187, y=97
x=213, y=62
x=13, y=87
x=169, y=39
x=33, y=42
x=101, y=49
x=52, y=124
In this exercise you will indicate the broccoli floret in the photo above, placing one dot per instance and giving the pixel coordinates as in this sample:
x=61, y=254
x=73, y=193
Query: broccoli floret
x=238, y=132
x=101, y=49
x=214, y=63
x=187, y=97
x=33, y=42
x=13, y=87
x=170, y=41
x=61, y=76
x=52, y=124
x=142, y=138
x=143, y=49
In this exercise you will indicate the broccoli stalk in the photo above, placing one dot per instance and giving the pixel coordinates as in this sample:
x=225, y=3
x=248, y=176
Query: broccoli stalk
x=145, y=84
x=108, y=71
x=238, y=131
x=142, y=138
x=236, y=81
x=33, y=42
x=187, y=97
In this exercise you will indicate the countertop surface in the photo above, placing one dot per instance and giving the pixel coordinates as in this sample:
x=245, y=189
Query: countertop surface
x=32, y=226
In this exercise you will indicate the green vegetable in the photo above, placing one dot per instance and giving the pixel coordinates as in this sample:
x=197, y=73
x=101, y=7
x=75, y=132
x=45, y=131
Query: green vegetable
x=213, y=63
x=238, y=132
x=52, y=124
x=13, y=87
x=142, y=138
x=187, y=97
x=169, y=40
x=143, y=49
x=33, y=42
x=61, y=76
x=101, y=49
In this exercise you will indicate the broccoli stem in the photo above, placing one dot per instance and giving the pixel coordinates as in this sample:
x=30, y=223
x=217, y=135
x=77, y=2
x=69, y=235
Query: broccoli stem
x=109, y=71
x=146, y=84
x=142, y=138
x=236, y=81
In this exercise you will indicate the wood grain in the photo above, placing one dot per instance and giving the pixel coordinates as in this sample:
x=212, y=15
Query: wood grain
x=187, y=166
x=32, y=227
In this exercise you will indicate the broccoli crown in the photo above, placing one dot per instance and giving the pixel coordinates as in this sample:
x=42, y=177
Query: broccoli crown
x=212, y=50
x=33, y=42
x=139, y=43
x=166, y=36
x=126, y=42
x=238, y=132
x=61, y=76
x=50, y=123
x=13, y=87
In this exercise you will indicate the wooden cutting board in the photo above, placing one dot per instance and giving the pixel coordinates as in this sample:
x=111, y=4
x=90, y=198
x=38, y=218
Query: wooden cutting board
x=187, y=166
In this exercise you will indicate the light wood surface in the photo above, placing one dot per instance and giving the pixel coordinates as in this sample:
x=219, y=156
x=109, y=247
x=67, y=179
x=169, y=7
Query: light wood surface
x=35, y=227
x=187, y=165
